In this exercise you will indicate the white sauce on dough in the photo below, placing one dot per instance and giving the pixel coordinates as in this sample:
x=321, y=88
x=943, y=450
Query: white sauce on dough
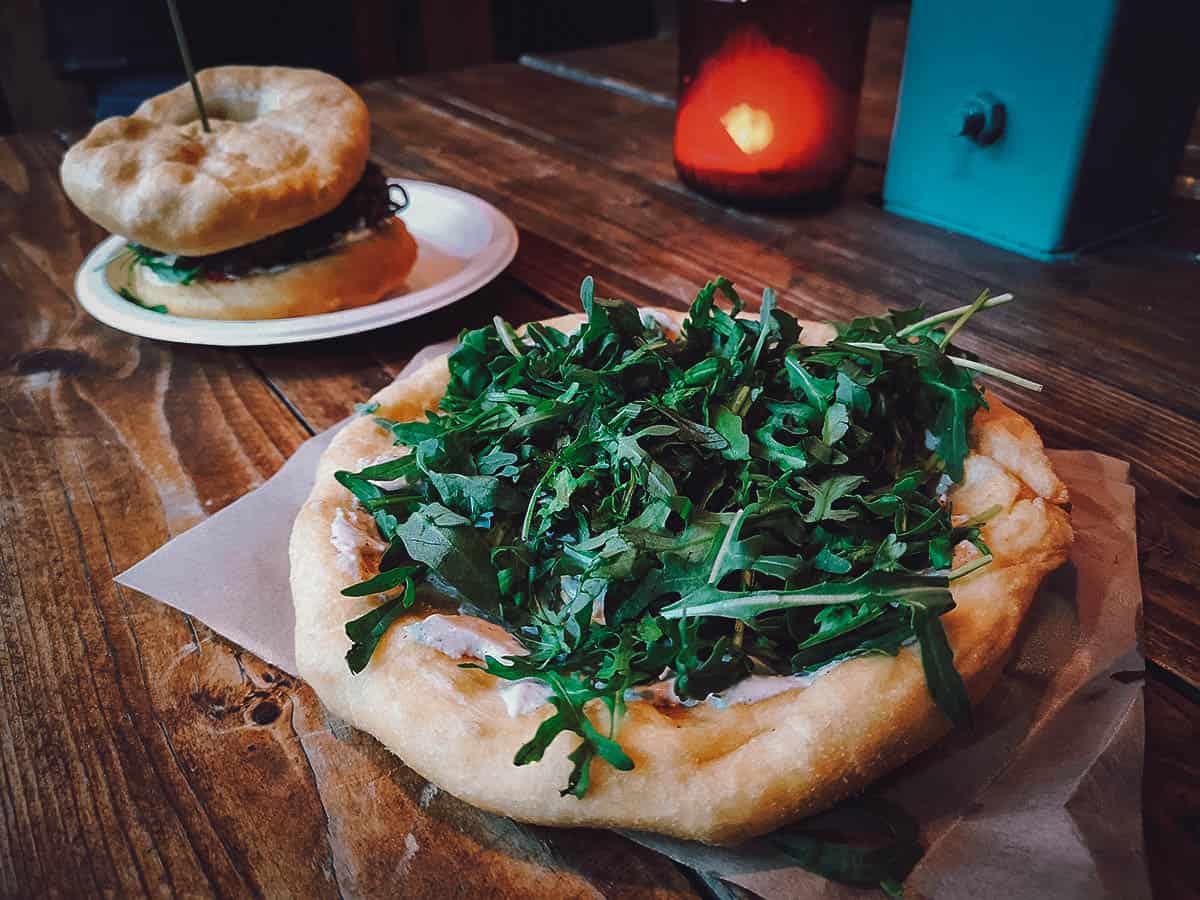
x=753, y=688
x=524, y=696
x=468, y=637
x=350, y=535
x=660, y=693
x=464, y=637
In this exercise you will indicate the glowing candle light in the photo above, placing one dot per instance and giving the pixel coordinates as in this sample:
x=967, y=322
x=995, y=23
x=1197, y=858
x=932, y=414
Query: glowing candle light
x=761, y=119
x=751, y=129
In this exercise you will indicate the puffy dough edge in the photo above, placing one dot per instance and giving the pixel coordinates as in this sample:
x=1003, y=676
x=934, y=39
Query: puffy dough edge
x=157, y=178
x=358, y=274
x=714, y=775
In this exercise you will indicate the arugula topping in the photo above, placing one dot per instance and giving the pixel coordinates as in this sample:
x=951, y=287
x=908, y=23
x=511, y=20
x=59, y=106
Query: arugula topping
x=166, y=266
x=727, y=502
x=127, y=294
x=862, y=842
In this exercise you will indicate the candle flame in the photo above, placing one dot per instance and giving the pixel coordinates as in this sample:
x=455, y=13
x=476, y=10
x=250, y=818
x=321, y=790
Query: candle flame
x=754, y=107
x=751, y=129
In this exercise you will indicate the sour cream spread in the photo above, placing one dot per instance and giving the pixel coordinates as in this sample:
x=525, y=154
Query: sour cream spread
x=468, y=637
x=464, y=637
x=351, y=532
x=753, y=688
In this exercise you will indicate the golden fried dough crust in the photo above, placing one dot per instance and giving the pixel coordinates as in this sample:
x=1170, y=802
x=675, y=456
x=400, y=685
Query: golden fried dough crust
x=715, y=775
x=357, y=274
x=286, y=146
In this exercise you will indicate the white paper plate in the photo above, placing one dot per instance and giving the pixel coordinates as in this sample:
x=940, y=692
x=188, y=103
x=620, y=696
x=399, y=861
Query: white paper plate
x=463, y=242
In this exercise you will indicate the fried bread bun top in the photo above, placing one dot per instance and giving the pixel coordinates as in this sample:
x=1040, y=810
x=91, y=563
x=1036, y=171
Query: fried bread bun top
x=286, y=146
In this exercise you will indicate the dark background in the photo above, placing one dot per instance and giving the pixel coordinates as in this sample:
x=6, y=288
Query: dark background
x=65, y=63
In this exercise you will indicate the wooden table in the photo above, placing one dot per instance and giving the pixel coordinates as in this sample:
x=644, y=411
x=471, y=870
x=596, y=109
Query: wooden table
x=141, y=753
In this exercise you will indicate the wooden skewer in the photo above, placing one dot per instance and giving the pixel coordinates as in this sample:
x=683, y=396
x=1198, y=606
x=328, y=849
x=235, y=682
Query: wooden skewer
x=187, y=62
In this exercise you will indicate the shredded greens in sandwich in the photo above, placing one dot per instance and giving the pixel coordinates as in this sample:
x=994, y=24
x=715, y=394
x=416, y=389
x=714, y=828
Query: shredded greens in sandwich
x=634, y=507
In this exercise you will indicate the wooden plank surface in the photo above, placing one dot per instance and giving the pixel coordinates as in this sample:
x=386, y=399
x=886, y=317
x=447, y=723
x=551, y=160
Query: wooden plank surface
x=143, y=751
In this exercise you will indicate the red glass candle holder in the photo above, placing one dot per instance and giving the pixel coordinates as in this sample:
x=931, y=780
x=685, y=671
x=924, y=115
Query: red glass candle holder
x=768, y=98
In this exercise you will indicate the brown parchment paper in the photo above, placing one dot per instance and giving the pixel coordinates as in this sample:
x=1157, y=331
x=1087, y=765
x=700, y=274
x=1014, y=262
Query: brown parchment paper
x=1040, y=798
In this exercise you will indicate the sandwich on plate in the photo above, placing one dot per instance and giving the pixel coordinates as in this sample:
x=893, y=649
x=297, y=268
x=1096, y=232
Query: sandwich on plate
x=275, y=212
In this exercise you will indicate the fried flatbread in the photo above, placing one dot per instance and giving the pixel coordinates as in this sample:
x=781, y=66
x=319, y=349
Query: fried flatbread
x=718, y=775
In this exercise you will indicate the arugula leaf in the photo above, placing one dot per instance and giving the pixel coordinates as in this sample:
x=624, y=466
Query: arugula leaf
x=929, y=592
x=827, y=493
x=410, y=434
x=472, y=495
x=828, y=560
x=500, y=463
x=840, y=619
x=889, y=554
x=817, y=391
x=386, y=581
x=362, y=489
x=367, y=630
x=165, y=265
x=448, y=544
x=959, y=400
x=568, y=699
x=764, y=328
x=937, y=659
x=871, y=636
x=729, y=426
x=701, y=670
x=880, y=844
x=129, y=295
x=835, y=424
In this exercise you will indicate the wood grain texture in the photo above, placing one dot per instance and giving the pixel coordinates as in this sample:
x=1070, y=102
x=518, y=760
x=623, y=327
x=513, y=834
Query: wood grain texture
x=141, y=753
x=1172, y=789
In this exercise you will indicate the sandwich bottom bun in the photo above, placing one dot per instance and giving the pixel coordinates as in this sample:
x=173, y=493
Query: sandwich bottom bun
x=359, y=273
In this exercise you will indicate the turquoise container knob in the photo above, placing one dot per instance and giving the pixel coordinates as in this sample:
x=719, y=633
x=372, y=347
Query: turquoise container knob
x=1042, y=127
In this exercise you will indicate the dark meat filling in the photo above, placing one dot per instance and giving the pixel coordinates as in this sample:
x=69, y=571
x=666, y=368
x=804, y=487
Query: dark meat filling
x=368, y=205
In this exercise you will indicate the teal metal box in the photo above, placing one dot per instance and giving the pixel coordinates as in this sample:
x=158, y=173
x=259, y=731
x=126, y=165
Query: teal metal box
x=1042, y=126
